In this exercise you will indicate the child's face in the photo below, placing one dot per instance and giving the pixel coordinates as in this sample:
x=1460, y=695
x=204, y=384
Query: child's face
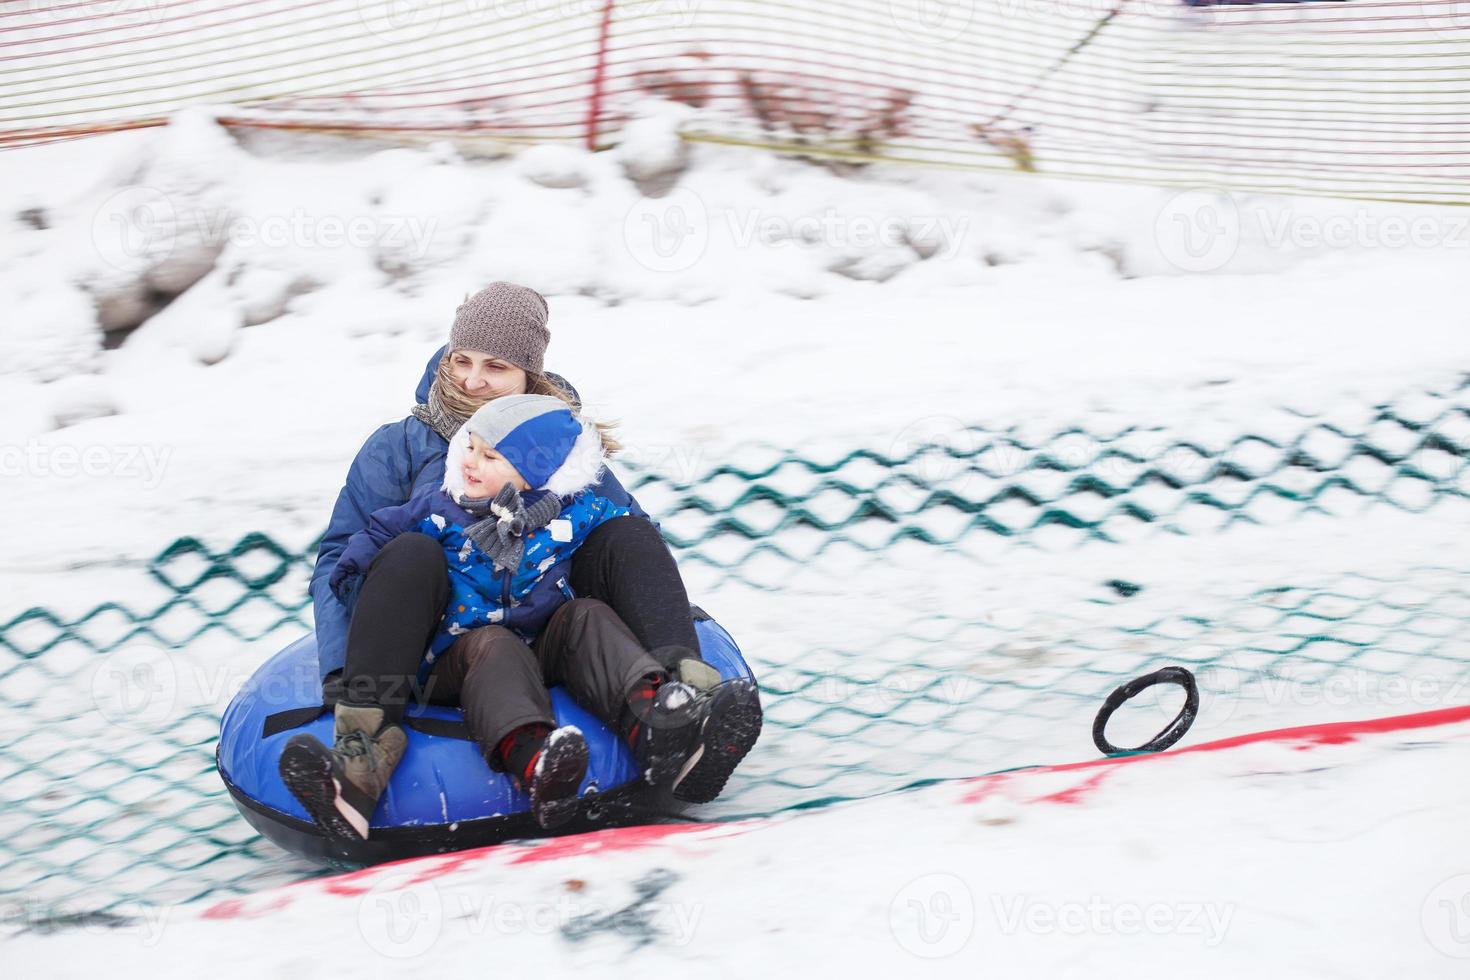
x=486, y=471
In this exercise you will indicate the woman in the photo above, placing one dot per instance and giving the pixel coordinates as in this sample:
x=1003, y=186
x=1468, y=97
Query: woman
x=496, y=348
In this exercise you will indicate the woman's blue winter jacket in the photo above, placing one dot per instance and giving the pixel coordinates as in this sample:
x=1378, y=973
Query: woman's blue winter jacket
x=397, y=461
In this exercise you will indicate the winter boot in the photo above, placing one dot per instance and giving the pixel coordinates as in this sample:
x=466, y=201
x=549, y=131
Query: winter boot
x=548, y=766
x=698, y=674
x=664, y=715
x=340, y=786
x=729, y=725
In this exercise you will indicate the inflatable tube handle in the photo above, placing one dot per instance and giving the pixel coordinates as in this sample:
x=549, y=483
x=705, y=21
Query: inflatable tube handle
x=1176, y=728
x=284, y=721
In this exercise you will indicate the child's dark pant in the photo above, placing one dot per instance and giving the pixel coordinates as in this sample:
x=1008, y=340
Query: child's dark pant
x=631, y=617
x=502, y=683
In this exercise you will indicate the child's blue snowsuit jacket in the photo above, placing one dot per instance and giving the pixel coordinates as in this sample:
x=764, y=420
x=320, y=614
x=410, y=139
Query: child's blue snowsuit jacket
x=398, y=460
x=521, y=599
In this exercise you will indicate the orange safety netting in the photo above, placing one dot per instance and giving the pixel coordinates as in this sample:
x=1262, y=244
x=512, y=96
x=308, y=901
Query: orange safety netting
x=1353, y=99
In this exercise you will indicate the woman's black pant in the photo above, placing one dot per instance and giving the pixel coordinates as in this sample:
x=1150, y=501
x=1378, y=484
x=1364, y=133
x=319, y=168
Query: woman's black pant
x=623, y=566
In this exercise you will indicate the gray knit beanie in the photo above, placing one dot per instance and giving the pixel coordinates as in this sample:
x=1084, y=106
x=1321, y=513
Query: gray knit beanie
x=505, y=321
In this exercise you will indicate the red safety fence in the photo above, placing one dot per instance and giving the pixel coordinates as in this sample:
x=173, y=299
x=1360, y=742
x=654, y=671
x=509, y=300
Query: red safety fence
x=1354, y=98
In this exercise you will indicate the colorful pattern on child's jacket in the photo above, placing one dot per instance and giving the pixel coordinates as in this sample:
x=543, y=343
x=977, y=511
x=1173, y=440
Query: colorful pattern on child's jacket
x=397, y=461
x=521, y=599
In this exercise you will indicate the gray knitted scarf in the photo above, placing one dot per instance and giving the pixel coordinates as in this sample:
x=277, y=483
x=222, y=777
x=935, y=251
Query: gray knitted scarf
x=436, y=416
x=505, y=521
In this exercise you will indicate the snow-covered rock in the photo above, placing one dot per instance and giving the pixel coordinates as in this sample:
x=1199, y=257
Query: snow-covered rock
x=555, y=165
x=649, y=147
x=46, y=329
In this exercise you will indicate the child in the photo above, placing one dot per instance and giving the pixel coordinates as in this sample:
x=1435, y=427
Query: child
x=508, y=546
x=514, y=505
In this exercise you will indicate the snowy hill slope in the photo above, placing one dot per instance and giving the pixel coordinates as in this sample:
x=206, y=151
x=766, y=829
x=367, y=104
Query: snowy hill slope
x=195, y=315
x=1290, y=851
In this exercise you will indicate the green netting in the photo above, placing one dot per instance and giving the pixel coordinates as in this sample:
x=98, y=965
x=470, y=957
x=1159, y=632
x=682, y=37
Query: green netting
x=100, y=808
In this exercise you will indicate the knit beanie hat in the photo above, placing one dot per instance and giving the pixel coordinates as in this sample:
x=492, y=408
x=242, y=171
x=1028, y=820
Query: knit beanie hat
x=505, y=321
x=549, y=446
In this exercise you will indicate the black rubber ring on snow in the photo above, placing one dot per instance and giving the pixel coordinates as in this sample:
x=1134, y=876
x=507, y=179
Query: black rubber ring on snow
x=1165, y=738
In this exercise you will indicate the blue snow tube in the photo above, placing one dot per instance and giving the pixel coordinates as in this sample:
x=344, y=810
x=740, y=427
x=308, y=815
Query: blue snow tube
x=442, y=797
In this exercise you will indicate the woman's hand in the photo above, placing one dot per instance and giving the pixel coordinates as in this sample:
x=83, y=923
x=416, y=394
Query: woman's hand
x=346, y=579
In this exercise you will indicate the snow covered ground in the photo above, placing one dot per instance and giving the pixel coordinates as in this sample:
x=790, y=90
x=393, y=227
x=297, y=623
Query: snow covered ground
x=197, y=335
x=1293, y=854
x=782, y=304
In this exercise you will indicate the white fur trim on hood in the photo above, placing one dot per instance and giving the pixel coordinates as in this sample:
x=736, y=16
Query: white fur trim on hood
x=579, y=471
x=583, y=464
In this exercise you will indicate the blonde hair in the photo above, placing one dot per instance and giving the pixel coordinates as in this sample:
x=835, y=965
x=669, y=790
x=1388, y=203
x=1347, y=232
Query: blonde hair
x=457, y=401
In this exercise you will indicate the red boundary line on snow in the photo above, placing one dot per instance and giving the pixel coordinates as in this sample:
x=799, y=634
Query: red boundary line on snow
x=1309, y=736
x=1330, y=733
x=353, y=883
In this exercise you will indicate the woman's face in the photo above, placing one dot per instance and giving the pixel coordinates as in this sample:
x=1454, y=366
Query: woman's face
x=486, y=471
x=482, y=376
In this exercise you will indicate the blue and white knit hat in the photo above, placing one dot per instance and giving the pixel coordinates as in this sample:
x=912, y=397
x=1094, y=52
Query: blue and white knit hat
x=548, y=445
